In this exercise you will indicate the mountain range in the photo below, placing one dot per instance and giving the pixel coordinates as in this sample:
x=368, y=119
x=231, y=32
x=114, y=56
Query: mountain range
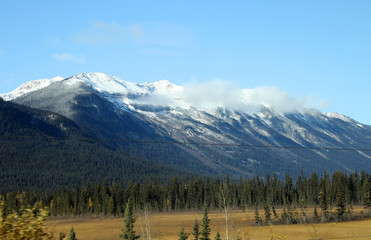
x=165, y=125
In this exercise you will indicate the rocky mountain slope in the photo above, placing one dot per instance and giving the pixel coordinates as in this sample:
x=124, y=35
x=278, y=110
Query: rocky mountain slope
x=42, y=150
x=160, y=122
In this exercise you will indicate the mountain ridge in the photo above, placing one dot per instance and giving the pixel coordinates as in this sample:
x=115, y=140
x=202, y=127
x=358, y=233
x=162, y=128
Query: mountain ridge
x=44, y=151
x=108, y=107
x=104, y=83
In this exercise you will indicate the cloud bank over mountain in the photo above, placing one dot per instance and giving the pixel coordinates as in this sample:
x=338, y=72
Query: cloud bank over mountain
x=224, y=94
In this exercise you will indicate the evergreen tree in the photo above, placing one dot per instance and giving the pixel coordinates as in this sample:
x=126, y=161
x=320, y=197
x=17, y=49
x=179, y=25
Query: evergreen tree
x=325, y=196
x=315, y=215
x=128, y=232
x=72, y=235
x=196, y=230
x=217, y=236
x=205, y=233
x=111, y=206
x=340, y=201
x=62, y=235
x=267, y=213
x=183, y=235
x=256, y=214
x=367, y=195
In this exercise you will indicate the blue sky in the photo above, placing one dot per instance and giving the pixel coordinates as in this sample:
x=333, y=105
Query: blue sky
x=318, y=50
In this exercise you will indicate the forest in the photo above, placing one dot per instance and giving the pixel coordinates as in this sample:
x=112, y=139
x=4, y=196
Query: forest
x=338, y=191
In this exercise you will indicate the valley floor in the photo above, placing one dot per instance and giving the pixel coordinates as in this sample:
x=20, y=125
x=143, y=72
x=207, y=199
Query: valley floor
x=166, y=226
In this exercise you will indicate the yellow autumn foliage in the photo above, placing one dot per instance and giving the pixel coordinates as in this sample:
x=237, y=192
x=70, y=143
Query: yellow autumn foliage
x=29, y=223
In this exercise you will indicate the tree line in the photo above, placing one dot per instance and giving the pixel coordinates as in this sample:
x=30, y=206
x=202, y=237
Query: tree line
x=338, y=189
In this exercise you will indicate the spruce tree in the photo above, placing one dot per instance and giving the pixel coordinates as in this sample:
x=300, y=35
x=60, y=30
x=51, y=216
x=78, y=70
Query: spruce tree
x=256, y=214
x=62, y=235
x=325, y=196
x=267, y=213
x=196, y=230
x=205, y=233
x=340, y=201
x=111, y=206
x=128, y=232
x=183, y=235
x=367, y=195
x=315, y=215
x=72, y=235
x=217, y=236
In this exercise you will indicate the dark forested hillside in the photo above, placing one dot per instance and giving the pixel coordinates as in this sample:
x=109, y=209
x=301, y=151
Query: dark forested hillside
x=333, y=195
x=218, y=140
x=43, y=150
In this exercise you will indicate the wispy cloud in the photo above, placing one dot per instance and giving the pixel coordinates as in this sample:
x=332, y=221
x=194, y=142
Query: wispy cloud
x=168, y=35
x=102, y=33
x=162, y=52
x=69, y=57
x=136, y=31
x=219, y=93
x=54, y=41
x=152, y=38
x=224, y=94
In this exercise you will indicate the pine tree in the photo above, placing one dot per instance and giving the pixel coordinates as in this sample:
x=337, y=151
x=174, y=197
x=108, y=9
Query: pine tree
x=128, y=232
x=340, y=201
x=256, y=215
x=315, y=215
x=325, y=196
x=367, y=195
x=205, y=233
x=196, y=230
x=111, y=206
x=183, y=235
x=62, y=235
x=72, y=235
x=267, y=213
x=217, y=236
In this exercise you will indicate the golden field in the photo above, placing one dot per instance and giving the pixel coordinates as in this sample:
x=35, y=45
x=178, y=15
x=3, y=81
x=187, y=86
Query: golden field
x=167, y=226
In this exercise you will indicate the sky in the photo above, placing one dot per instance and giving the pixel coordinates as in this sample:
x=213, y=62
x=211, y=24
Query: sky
x=315, y=51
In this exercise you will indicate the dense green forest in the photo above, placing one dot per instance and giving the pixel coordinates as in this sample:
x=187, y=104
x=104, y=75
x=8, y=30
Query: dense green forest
x=337, y=191
x=41, y=150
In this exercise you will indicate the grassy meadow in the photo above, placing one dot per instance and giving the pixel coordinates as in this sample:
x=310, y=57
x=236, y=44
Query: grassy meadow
x=167, y=226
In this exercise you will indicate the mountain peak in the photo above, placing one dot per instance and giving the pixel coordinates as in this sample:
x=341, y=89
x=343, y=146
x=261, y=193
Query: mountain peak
x=94, y=75
x=30, y=86
x=105, y=83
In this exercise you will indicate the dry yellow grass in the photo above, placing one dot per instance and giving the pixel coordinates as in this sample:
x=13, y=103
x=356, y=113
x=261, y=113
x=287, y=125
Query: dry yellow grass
x=167, y=226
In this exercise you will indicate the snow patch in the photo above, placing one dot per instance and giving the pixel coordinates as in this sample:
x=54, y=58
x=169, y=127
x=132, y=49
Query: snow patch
x=30, y=87
x=364, y=154
x=339, y=116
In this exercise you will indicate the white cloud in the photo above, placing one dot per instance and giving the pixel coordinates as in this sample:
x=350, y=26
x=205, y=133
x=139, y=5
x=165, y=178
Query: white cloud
x=102, y=33
x=223, y=94
x=168, y=35
x=160, y=38
x=69, y=57
x=272, y=97
x=214, y=94
x=137, y=32
x=54, y=41
x=162, y=52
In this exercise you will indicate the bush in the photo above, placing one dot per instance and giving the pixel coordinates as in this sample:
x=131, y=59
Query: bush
x=28, y=223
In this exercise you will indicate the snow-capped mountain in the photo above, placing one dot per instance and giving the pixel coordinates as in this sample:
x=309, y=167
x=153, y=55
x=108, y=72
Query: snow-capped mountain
x=212, y=137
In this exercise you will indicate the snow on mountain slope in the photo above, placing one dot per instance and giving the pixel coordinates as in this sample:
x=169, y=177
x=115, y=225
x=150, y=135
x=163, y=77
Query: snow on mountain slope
x=207, y=97
x=165, y=95
x=113, y=108
x=30, y=87
x=163, y=103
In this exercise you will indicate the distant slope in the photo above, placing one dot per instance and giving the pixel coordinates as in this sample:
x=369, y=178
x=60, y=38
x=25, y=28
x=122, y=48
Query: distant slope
x=216, y=141
x=35, y=153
